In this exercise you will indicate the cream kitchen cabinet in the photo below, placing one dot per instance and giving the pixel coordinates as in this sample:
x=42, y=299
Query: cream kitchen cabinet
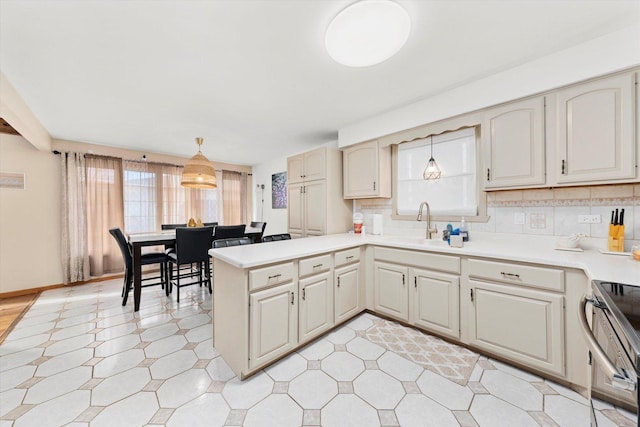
x=307, y=166
x=517, y=312
x=391, y=296
x=514, y=144
x=315, y=205
x=316, y=296
x=307, y=208
x=596, y=131
x=273, y=327
x=367, y=171
x=403, y=288
x=347, y=284
x=435, y=302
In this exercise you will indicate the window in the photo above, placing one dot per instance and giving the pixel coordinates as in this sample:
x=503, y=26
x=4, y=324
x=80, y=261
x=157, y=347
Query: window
x=139, y=199
x=153, y=196
x=456, y=193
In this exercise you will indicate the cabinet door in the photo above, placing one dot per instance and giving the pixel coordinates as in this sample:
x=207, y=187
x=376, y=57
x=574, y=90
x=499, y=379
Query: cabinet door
x=273, y=323
x=436, y=302
x=523, y=325
x=314, y=164
x=295, y=208
x=513, y=137
x=295, y=169
x=360, y=170
x=390, y=290
x=315, y=210
x=316, y=305
x=347, y=301
x=596, y=130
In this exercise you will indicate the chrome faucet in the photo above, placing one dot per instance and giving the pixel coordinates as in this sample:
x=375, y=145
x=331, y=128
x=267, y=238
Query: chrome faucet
x=430, y=230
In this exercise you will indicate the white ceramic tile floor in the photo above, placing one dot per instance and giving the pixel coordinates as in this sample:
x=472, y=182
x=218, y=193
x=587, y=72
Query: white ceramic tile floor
x=78, y=358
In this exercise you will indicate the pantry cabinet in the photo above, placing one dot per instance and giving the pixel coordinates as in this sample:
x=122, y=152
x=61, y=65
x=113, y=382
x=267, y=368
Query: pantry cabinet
x=514, y=144
x=307, y=208
x=315, y=205
x=367, y=171
x=595, y=131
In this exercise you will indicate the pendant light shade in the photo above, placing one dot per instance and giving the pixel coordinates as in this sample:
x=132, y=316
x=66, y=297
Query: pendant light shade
x=199, y=172
x=432, y=171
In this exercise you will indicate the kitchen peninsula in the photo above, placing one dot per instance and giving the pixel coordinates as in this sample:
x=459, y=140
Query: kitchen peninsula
x=506, y=296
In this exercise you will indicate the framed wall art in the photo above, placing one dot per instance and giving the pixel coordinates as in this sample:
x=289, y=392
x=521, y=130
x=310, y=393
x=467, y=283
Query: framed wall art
x=279, y=190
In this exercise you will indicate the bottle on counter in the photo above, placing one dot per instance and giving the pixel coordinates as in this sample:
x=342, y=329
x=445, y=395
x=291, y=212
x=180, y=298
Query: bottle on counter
x=464, y=232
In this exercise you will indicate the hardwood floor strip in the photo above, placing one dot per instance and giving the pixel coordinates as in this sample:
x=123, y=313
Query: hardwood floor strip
x=12, y=310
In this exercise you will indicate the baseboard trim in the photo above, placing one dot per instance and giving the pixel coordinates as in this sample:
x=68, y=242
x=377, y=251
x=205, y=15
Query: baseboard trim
x=59, y=285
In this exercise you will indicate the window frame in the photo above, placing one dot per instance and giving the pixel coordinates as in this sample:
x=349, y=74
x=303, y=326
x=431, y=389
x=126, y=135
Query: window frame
x=481, y=215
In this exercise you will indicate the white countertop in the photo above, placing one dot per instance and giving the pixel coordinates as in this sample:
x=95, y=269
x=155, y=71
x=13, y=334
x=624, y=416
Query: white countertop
x=510, y=247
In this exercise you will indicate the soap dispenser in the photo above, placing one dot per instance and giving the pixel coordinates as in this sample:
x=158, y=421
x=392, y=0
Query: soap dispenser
x=464, y=232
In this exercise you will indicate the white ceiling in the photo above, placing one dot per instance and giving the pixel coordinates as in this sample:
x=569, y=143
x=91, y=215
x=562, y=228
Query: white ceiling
x=253, y=77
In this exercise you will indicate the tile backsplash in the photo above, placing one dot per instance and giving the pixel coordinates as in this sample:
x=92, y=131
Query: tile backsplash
x=552, y=212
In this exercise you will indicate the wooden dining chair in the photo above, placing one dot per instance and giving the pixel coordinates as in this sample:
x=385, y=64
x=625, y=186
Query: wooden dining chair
x=192, y=247
x=146, y=259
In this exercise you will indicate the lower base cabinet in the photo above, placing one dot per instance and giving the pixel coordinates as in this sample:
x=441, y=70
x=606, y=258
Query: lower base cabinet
x=435, y=302
x=347, y=292
x=316, y=306
x=273, y=323
x=391, y=296
x=523, y=325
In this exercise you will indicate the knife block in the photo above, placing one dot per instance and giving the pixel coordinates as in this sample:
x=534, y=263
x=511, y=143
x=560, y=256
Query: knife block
x=616, y=239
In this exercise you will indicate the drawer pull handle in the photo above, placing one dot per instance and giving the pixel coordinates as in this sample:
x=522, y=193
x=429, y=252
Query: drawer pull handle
x=512, y=275
x=304, y=293
x=350, y=257
x=275, y=276
x=292, y=296
x=318, y=265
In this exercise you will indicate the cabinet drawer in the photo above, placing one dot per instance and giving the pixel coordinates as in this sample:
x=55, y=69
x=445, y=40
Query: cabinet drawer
x=428, y=260
x=268, y=276
x=317, y=264
x=537, y=277
x=347, y=257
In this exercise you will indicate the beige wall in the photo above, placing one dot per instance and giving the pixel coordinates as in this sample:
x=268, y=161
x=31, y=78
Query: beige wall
x=29, y=218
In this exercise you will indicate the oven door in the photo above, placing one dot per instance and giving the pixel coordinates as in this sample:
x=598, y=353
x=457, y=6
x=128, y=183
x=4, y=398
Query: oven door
x=613, y=376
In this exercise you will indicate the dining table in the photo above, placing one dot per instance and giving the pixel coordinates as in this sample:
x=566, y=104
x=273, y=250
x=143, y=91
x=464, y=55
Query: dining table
x=165, y=237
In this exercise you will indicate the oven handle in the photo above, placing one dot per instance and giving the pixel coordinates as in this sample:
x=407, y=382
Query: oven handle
x=619, y=380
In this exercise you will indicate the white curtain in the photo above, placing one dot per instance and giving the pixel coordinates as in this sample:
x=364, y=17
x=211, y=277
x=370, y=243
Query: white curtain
x=75, y=254
x=234, y=197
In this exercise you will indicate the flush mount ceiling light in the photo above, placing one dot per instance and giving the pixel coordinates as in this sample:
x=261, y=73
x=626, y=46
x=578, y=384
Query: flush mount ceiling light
x=199, y=172
x=432, y=171
x=367, y=33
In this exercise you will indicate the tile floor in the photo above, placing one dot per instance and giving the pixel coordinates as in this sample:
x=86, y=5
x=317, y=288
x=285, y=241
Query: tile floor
x=78, y=358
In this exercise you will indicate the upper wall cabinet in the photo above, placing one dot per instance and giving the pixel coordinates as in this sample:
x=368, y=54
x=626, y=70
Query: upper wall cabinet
x=513, y=145
x=307, y=166
x=366, y=171
x=596, y=131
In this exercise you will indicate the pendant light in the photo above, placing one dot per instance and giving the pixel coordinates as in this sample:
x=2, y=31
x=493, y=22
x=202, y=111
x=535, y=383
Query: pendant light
x=432, y=171
x=199, y=172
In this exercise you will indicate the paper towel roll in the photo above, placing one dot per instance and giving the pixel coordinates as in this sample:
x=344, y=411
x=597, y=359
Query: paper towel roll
x=376, y=224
